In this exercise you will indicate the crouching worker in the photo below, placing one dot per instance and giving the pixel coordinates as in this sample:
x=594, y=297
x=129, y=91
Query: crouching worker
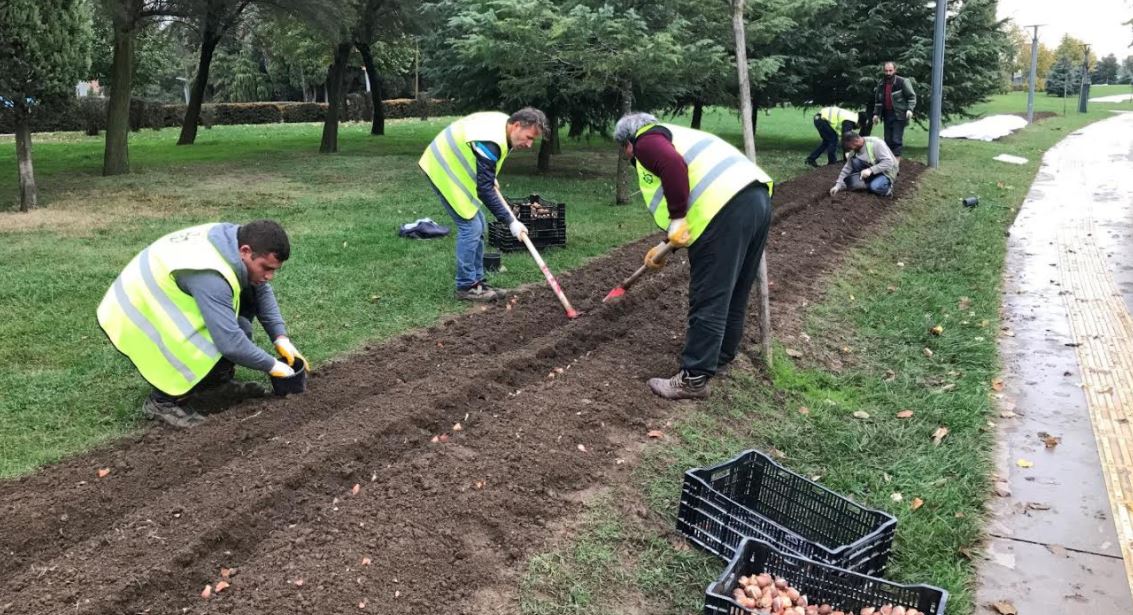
x=831, y=123
x=182, y=311
x=711, y=199
x=871, y=166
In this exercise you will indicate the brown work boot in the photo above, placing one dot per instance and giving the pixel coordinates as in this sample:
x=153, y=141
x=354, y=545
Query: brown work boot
x=681, y=386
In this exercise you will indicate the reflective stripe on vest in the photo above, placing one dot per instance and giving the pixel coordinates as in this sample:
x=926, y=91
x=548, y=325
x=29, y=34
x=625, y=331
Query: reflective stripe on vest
x=716, y=173
x=156, y=324
x=451, y=165
x=836, y=115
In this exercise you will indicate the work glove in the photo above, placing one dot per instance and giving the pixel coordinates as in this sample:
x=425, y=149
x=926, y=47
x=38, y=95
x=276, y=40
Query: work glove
x=281, y=370
x=517, y=228
x=876, y=120
x=908, y=115
x=288, y=351
x=866, y=173
x=679, y=235
x=652, y=261
x=834, y=190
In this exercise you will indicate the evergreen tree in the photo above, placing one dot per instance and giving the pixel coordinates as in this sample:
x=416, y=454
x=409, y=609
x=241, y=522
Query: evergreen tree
x=1064, y=78
x=44, y=51
x=1106, y=70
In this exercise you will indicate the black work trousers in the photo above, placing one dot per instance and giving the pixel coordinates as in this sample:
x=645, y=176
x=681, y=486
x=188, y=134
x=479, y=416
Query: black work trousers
x=895, y=132
x=724, y=261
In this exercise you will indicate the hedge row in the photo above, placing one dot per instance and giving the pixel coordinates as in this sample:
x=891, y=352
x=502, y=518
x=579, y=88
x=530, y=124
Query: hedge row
x=89, y=114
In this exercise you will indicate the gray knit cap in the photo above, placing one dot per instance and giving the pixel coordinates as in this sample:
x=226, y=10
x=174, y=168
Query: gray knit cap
x=630, y=123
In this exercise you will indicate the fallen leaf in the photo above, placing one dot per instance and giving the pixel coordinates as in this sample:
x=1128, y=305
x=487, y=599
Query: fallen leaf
x=794, y=354
x=900, y=264
x=222, y=585
x=891, y=288
x=904, y=414
x=1007, y=414
x=939, y=435
x=917, y=503
x=365, y=561
x=103, y=472
x=1023, y=463
x=937, y=330
x=582, y=447
x=206, y=593
x=776, y=453
x=1005, y=332
x=1004, y=607
x=656, y=433
x=1036, y=506
x=1106, y=391
x=1049, y=440
x=964, y=303
x=997, y=384
x=355, y=489
x=890, y=375
x=1002, y=489
x=896, y=497
x=457, y=427
x=804, y=410
x=928, y=352
x=861, y=414
x=1057, y=550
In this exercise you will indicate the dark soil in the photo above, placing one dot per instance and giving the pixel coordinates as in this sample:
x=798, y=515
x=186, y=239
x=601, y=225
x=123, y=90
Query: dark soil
x=1039, y=115
x=266, y=488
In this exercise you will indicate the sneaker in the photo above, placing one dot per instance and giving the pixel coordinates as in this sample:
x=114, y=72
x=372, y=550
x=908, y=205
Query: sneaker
x=478, y=292
x=680, y=386
x=170, y=412
x=236, y=390
x=811, y=162
x=501, y=293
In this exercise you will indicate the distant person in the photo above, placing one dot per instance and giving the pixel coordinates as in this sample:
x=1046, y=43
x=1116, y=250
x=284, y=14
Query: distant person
x=462, y=163
x=831, y=123
x=871, y=166
x=182, y=311
x=710, y=198
x=893, y=103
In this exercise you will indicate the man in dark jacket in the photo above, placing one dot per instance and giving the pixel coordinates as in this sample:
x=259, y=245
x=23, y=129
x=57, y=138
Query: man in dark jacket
x=894, y=101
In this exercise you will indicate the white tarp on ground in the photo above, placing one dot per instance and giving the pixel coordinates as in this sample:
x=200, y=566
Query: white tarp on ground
x=1116, y=98
x=985, y=129
x=1011, y=159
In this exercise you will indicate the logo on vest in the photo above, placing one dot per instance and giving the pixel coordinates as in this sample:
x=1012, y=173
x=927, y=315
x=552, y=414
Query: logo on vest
x=647, y=178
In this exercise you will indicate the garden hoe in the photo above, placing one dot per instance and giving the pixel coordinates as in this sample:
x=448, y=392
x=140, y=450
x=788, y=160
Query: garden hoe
x=621, y=289
x=570, y=311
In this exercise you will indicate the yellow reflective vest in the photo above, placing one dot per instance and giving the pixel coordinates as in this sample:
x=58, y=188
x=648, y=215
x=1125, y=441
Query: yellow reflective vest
x=716, y=173
x=451, y=165
x=836, y=115
x=156, y=324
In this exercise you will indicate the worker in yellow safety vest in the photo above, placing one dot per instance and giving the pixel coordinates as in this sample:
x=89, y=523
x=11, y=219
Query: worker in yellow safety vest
x=182, y=311
x=831, y=123
x=710, y=198
x=871, y=166
x=462, y=164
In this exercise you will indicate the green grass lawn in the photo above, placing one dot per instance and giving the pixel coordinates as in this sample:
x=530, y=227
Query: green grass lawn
x=350, y=280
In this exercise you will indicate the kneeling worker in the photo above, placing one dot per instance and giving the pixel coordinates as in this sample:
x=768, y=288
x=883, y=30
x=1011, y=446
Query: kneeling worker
x=831, y=123
x=711, y=199
x=182, y=311
x=462, y=163
x=871, y=166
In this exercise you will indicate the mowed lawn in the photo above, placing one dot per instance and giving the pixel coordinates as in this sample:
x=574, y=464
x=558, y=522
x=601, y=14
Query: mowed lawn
x=350, y=279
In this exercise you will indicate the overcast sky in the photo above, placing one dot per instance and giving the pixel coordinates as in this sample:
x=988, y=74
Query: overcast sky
x=1097, y=22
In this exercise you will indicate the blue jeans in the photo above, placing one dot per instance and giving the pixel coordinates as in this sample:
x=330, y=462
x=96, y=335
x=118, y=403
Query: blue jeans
x=469, y=247
x=878, y=184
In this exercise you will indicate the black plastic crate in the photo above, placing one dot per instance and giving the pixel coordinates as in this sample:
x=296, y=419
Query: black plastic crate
x=821, y=583
x=545, y=222
x=752, y=496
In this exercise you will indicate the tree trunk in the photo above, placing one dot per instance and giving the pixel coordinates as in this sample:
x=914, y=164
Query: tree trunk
x=621, y=196
x=746, y=116
x=334, y=93
x=116, y=157
x=28, y=200
x=209, y=40
x=697, y=113
x=548, y=146
x=379, y=120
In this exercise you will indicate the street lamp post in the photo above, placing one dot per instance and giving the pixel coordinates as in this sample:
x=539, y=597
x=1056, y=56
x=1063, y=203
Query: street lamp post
x=937, y=85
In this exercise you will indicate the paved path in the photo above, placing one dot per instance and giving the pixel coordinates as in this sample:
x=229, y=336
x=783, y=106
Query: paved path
x=1062, y=539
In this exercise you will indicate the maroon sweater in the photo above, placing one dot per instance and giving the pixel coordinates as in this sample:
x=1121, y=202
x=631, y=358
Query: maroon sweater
x=655, y=152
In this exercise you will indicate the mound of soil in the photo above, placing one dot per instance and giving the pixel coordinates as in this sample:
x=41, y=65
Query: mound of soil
x=1039, y=115
x=341, y=501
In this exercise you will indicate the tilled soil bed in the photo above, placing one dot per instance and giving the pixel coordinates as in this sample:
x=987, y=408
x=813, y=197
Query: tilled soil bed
x=549, y=410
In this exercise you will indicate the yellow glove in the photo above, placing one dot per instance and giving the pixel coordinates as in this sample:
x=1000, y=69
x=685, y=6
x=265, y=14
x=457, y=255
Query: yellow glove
x=281, y=370
x=652, y=261
x=678, y=233
x=288, y=351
